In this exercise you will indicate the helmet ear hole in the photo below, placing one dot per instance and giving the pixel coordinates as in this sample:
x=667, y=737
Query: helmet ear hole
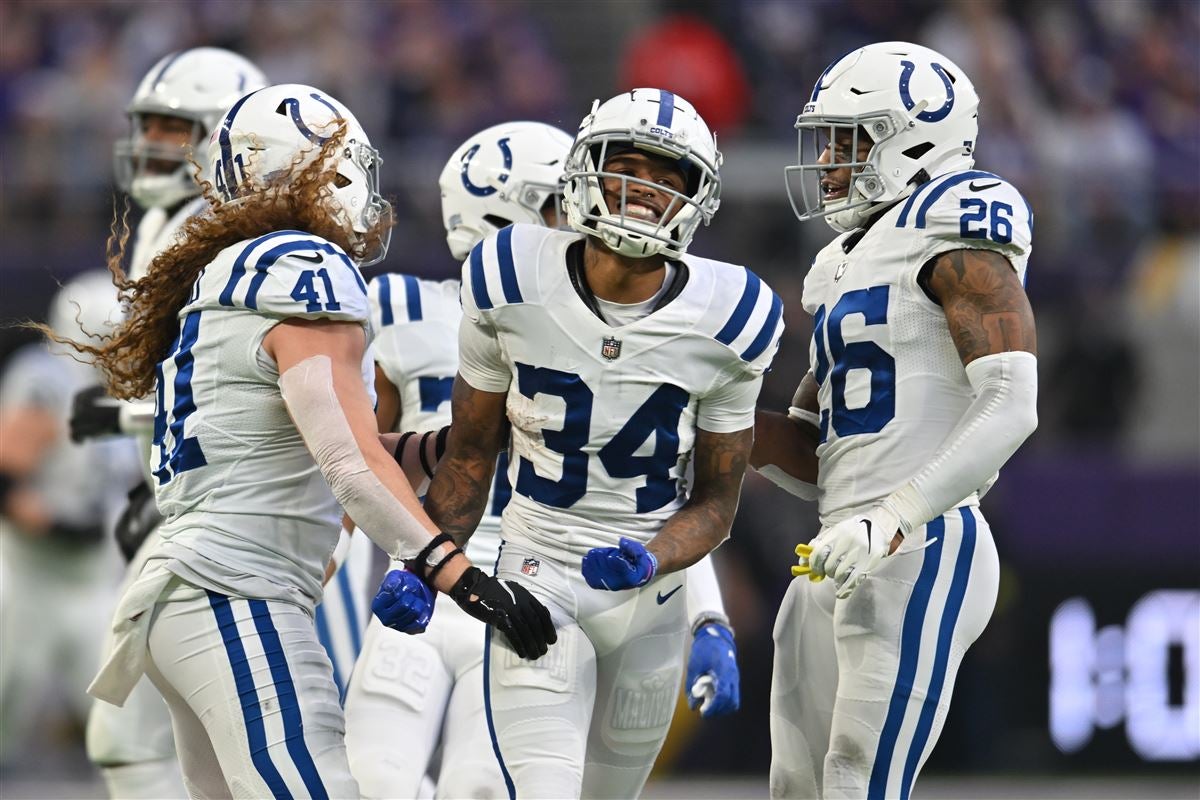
x=341, y=181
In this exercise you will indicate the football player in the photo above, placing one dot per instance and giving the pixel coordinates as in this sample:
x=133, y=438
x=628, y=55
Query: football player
x=254, y=329
x=923, y=383
x=174, y=109
x=57, y=503
x=433, y=684
x=617, y=360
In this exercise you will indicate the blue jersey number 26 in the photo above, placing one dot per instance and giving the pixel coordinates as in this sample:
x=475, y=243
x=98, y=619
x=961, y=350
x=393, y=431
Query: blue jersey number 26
x=845, y=356
x=657, y=417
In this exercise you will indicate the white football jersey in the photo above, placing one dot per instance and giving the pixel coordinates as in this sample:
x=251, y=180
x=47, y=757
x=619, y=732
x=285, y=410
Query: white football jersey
x=604, y=418
x=156, y=232
x=247, y=510
x=892, y=385
x=416, y=345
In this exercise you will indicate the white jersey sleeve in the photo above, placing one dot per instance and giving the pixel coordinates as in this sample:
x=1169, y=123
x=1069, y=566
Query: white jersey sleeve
x=416, y=331
x=481, y=359
x=294, y=274
x=752, y=330
x=971, y=210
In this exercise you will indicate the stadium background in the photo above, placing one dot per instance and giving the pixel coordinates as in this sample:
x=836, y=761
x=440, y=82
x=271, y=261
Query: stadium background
x=1092, y=108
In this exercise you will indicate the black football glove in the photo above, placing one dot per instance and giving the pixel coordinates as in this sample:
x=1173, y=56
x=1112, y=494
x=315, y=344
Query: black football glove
x=138, y=519
x=510, y=608
x=94, y=414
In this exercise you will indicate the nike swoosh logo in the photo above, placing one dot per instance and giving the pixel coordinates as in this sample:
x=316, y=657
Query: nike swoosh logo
x=980, y=188
x=867, y=522
x=662, y=598
x=315, y=258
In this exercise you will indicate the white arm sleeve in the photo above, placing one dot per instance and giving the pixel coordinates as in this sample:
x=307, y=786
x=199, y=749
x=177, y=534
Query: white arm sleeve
x=308, y=392
x=704, y=595
x=1002, y=416
x=794, y=486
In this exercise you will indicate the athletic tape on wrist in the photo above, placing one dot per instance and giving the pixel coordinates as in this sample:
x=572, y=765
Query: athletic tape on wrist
x=418, y=564
x=432, y=576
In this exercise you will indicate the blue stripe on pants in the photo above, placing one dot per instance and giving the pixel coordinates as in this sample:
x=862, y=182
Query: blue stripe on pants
x=910, y=646
x=954, y=601
x=285, y=693
x=251, y=708
x=326, y=640
x=487, y=705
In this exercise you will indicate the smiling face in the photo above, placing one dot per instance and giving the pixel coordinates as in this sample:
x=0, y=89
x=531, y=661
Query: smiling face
x=643, y=201
x=842, y=149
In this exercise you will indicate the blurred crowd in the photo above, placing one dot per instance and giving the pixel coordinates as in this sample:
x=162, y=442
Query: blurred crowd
x=1090, y=107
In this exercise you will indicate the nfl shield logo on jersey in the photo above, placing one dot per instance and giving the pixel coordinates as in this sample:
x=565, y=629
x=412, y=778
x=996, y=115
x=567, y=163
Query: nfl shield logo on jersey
x=611, y=348
x=530, y=566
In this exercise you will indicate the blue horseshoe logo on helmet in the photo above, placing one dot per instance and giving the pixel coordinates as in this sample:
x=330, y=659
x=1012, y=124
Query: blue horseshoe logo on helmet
x=293, y=107
x=485, y=191
x=927, y=116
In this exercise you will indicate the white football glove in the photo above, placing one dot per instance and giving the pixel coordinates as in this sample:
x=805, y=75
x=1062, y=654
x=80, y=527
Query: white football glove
x=850, y=550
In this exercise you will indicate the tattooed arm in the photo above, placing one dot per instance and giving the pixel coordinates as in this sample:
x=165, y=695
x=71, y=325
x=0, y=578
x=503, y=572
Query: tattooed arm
x=789, y=441
x=704, y=521
x=986, y=307
x=458, y=494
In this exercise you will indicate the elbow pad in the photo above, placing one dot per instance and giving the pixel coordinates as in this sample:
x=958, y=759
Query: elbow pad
x=307, y=389
x=1001, y=417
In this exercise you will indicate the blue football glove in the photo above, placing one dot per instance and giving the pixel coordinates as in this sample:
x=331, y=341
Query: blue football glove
x=614, y=568
x=403, y=602
x=712, y=674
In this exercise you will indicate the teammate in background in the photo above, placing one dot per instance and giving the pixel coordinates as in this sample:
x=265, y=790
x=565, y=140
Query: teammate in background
x=618, y=360
x=505, y=174
x=258, y=320
x=57, y=503
x=174, y=109
x=924, y=382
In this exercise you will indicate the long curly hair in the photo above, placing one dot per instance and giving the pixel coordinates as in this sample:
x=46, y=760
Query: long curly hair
x=127, y=356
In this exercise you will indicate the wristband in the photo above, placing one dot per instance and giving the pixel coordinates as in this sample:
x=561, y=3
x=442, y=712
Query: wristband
x=420, y=563
x=438, y=566
x=399, y=454
x=711, y=618
x=440, y=444
x=7, y=484
x=425, y=459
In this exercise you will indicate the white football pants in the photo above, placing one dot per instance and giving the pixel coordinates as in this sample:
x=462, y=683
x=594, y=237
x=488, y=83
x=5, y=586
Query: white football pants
x=342, y=616
x=137, y=733
x=860, y=687
x=252, y=698
x=588, y=718
x=410, y=692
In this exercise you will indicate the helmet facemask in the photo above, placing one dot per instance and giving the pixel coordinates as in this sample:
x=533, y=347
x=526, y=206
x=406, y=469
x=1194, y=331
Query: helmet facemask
x=360, y=206
x=142, y=166
x=628, y=235
x=866, y=185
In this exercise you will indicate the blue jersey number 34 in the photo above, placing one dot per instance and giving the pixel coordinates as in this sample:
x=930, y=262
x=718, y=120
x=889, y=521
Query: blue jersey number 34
x=657, y=417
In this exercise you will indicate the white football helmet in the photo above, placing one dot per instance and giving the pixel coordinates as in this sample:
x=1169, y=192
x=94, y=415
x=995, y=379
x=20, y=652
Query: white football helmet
x=919, y=111
x=269, y=134
x=86, y=308
x=658, y=122
x=501, y=175
x=197, y=85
